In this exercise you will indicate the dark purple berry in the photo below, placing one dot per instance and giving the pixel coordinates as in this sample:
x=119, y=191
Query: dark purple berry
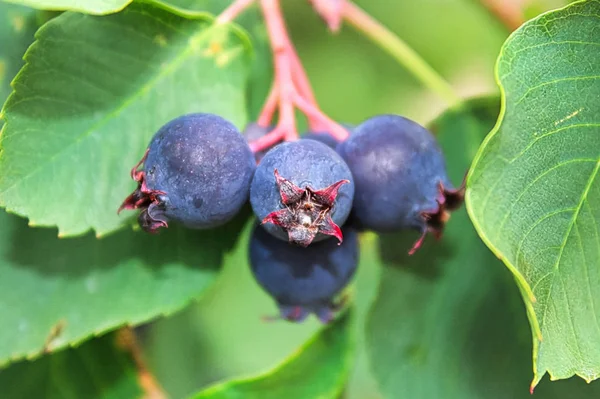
x=303, y=280
x=400, y=176
x=302, y=192
x=197, y=171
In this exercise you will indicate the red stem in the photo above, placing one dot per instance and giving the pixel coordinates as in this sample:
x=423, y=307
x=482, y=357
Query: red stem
x=268, y=140
x=291, y=88
x=508, y=12
x=283, y=72
x=266, y=116
x=329, y=125
x=330, y=11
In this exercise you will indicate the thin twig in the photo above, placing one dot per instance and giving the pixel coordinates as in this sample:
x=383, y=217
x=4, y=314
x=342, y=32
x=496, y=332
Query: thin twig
x=401, y=51
x=127, y=340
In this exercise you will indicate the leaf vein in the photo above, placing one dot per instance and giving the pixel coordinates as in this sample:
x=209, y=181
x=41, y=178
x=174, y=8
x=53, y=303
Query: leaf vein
x=566, y=236
x=554, y=81
x=175, y=62
x=538, y=138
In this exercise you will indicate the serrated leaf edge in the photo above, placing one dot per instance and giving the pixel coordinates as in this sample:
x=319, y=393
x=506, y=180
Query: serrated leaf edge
x=239, y=31
x=526, y=290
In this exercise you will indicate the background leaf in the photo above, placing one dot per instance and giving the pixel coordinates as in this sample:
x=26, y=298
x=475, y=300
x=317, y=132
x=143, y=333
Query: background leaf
x=448, y=321
x=17, y=26
x=534, y=189
x=93, y=92
x=86, y=286
x=97, y=369
x=261, y=73
x=87, y=6
x=318, y=370
x=223, y=336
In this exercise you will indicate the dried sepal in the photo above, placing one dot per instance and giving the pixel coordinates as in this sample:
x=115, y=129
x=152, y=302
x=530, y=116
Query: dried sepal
x=150, y=202
x=306, y=211
x=435, y=220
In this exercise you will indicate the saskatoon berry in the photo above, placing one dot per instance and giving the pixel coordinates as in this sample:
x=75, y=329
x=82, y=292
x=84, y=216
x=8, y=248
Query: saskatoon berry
x=303, y=280
x=400, y=176
x=302, y=191
x=197, y=171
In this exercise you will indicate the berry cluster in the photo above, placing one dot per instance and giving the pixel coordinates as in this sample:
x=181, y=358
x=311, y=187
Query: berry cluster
x=310, y=195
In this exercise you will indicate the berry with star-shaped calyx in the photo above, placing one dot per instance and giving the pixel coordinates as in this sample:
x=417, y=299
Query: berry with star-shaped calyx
x=306, y=211
x=196, y=171
x=400, y=172
x=302, y=191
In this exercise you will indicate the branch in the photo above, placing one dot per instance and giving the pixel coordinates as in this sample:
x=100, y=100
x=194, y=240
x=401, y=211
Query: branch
x=398, y=49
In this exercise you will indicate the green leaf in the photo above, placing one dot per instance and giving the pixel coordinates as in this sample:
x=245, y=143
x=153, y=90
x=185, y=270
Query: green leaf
x=98, y=369
x=534, y=188
x=92, y=94
x=98, y=7
x=222, y=337
x=261, y=74
x=84, y=286
x=448, y=321
x=318, y=370
x=17, y=25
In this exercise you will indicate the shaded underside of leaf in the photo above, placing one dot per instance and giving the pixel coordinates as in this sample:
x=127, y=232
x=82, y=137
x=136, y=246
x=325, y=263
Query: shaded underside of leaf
x=448, y=321
x=97, y=369
x=98, y=7
x=93, y=92
x=534, y=189
x=58, y=292
x=319, y=369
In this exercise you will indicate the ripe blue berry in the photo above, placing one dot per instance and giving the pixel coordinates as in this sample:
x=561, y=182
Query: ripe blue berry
x=400, y=176
x=197, y=171
x=303, y=280
x=302, y=191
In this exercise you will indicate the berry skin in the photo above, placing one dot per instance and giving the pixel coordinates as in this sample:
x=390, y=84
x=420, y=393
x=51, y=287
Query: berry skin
x=197, y=171
x=302, y=191
x=400, y=176
x=304, y=280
